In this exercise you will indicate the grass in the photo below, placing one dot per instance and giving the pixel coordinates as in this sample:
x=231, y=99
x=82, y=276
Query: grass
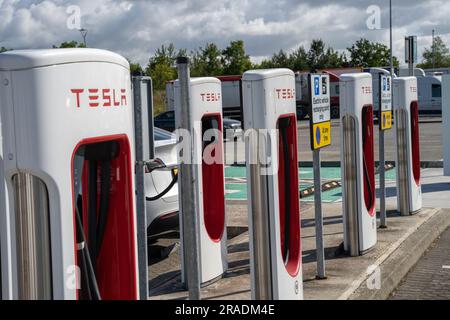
x=159, y=101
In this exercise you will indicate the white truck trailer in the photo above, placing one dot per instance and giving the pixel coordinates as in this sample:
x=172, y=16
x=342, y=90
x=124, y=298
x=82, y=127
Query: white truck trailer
x=429, y=90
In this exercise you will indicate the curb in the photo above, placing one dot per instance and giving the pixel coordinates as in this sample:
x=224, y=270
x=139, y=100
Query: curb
x=397, y=265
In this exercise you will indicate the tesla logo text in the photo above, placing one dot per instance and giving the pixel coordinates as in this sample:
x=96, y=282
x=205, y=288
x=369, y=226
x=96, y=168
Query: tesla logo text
x=210, y=97
x=101, y=97
x=285, y=94
x=413, y=89
x=366, y=90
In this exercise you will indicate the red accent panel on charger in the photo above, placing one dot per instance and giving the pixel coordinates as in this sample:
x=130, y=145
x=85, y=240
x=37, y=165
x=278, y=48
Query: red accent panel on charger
x=116, y=262
x=368, y=159
x=415, y=141
x=293, y=260
x=213, y=179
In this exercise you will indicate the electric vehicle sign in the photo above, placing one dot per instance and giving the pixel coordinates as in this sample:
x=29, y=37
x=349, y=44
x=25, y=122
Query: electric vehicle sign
x=320, y=121
x=322, y=135
x=385, y=115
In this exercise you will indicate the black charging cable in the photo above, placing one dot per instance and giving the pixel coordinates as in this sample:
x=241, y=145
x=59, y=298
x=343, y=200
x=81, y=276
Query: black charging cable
x=158, y=164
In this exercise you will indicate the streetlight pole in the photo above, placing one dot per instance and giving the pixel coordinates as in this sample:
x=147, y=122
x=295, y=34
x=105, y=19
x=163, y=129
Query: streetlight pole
x=390, y=38
x=84, y=33
x=381, y=135
x=434, y=50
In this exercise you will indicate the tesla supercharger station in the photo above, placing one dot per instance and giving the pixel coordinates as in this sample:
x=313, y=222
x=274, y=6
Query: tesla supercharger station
x=68, y=168
x=206, y=122
x=407, y=160
x=357, y=163
x=272, y=175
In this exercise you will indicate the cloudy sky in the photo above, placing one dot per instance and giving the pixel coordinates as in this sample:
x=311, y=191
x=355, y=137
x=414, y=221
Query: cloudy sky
x=136, y=28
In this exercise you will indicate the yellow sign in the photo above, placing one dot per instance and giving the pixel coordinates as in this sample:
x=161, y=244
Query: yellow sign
x=386, y=120
x=321, y=134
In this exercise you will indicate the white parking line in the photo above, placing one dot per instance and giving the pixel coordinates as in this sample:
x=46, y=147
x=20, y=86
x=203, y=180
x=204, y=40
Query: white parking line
x=445, y=267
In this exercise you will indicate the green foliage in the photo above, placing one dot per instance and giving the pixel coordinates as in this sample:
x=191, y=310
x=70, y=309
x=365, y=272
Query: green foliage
x=70, y=44
x=206, y=61
x=298, y=59
x=278, y=60
x=441, y=55
x=159, y=104
x=161, y=66
x=3, y=49
x=234, y=59
x=364, y=53
x=318, y=57
x=136, y=69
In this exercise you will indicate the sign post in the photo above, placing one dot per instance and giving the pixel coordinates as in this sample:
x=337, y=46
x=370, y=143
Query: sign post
x=320, y=134
x=411, y=53
x=385, y=123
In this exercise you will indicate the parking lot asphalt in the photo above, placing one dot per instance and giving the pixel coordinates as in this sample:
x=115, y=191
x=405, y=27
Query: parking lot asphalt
x=430, y=143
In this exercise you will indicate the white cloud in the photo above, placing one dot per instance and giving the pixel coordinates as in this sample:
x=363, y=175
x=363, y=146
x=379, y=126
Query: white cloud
x=136, y=28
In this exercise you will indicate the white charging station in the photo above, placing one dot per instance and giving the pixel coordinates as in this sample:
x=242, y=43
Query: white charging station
x=68, y=227
x=206, y=122
x=4, y=232
x=272, y=175
x=407, y=156
x=357, y=163
x=445, y=122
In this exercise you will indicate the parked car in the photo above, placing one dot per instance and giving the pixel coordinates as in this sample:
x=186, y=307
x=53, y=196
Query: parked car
x=232, y=129
x=166, y=121
x=162, y=213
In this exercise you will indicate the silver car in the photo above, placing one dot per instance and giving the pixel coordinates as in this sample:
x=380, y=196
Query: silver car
x=162, y=213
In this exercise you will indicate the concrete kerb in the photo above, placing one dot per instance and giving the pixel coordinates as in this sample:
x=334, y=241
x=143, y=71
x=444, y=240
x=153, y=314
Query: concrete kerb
x=399, y=258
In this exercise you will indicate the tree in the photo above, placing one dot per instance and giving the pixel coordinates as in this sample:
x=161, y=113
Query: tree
x=320, y=57
x=135, y=69
x=3, y=49
x=298, y=59
x=69, y=44
x=206, y=61
x=440, y=55
x=161, y=66
x=278, y=60
x=364, y=53
x=234, y=58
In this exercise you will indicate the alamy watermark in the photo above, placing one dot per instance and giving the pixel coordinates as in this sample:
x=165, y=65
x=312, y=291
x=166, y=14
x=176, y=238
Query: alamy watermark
x=262, y=145
x=74, y=17
x=373, y=282
x=373, y=21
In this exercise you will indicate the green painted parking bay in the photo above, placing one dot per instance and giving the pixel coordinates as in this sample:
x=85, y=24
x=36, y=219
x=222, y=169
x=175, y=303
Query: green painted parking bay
x=236, y=184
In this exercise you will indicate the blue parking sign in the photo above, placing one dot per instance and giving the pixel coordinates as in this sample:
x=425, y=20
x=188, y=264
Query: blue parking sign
x=317, y=86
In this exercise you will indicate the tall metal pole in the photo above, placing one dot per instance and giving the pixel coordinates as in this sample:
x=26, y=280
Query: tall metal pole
x=381, y=165
x=140, y=191
x=320, y=251
x=189, y=186
x=390, y=39
x=84, y=32
x=434, y=50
